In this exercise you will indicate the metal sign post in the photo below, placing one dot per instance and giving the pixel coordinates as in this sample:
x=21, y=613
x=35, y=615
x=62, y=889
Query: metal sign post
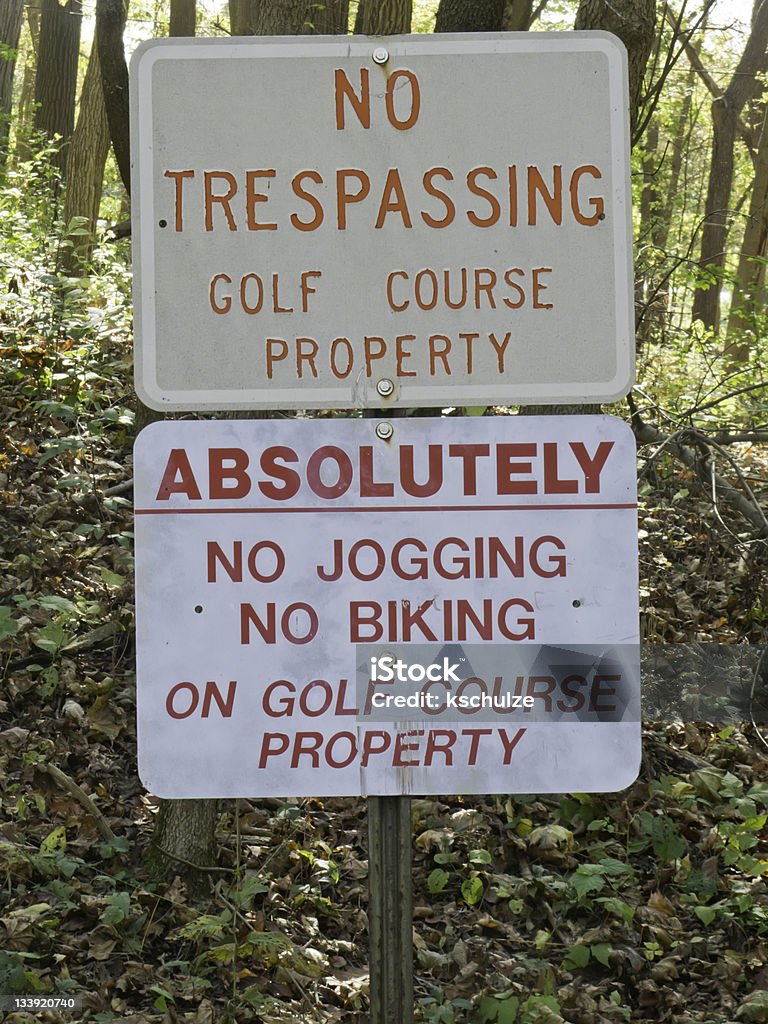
x=390, y=909
x=390, y=900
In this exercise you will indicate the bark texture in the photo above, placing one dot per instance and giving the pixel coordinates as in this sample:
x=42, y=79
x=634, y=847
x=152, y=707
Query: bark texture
x=25, y=110
x=56, y=79
x=85, y=167
x=240, y=21
x=10, y=32
x=282, y=17
x=726, y=111
x=634, y=22
x=288, y=17
x=331, y=18
x=387, y=17
x=110, y=23
x=184, y=840
x=680, y=139
x=183, y=17
x=517, y=16
x=469, y=15
x=750, y=278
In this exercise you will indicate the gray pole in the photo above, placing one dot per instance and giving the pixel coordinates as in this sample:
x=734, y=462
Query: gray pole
x=390, y=909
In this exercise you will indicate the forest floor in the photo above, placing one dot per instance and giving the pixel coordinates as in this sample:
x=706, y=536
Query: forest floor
x=647, y=905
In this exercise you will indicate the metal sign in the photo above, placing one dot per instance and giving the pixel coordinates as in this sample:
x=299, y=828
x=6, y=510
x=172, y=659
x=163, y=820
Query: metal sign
x=361, y=607
x=419, y=220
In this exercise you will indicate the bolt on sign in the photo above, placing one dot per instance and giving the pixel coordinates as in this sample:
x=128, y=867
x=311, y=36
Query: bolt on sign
x=358, y=223
x=358, y=608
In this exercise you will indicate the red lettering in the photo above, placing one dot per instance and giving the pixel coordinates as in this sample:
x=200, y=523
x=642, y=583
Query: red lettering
x=217, y=473
x=178, y=463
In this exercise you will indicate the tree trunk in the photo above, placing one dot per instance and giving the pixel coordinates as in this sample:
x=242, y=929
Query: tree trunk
x=650, y=299
x=240, y=20
x=288, y=17
x=85, y=167
x=56, y=80
x=331, y=18
x=517, y=15
x=360, y=18
x=110, y=23
x=650, y=198
x=184, y=841
x=753, y=250
x=282, y=17
x=387, y=17
x=680, y=136
x=634, y=22
x=183, y=18
x=25, y=109
x=10, y=32
x=726, y=112
x=469, y=15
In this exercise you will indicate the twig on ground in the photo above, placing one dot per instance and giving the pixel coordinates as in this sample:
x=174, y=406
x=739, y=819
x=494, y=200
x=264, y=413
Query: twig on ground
x=749, y=508
x=67, y=783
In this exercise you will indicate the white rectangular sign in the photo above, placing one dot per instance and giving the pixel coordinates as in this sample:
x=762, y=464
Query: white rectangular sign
x=275, y=559
x=418, y=220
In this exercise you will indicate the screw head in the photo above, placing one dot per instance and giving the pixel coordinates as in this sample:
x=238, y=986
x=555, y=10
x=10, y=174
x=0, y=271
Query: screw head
x=385, y=387
x=384, y=430
x=380, y=55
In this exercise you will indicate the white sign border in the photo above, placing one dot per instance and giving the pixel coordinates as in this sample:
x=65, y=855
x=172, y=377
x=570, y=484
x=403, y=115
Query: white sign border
x=398, y=782
x=143, y=223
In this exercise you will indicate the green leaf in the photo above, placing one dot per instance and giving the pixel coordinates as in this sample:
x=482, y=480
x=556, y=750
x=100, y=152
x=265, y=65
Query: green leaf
x=472, y=890
x=752, y=866
x=51, y=638
x=479, y=857
x=112, y=579
x=612, y=866
x=508, y=1010
x=54, y=842
x=576, y=957
x=583, y=883
x=117, y=908
x=705, y=914
x=759, y=793
x=601, y=952
x=533, y=1004
x=8, y=625
x=250, y=886
x=272, y=942
x=437, y=880
x=618, y=907
x=164, y=997
x=117, y=845
x=206, y=926
x=57, y=604
x=488, y=1009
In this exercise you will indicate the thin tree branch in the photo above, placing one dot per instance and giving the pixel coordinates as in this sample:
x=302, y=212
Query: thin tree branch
x=715, y=91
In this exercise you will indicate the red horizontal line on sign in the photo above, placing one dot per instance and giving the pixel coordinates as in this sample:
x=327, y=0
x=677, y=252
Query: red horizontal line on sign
x=376, y=508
